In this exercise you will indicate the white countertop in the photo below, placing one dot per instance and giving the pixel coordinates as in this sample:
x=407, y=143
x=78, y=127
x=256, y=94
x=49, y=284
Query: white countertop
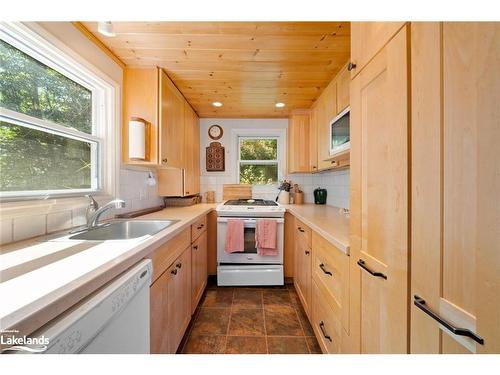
x=41, y=279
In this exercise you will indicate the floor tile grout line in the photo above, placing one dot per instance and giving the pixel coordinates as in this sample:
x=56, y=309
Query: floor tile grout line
x=301, y=325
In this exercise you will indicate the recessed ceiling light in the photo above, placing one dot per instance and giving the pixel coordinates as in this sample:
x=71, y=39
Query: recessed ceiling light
x=105, y=28
x=217, y=104
x=279, y=105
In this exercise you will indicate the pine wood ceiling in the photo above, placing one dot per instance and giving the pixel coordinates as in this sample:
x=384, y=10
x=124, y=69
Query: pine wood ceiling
x=248, y=66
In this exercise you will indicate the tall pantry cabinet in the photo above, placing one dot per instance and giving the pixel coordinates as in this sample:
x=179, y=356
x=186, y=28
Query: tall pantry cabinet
x=379, y=200
x=455, y=268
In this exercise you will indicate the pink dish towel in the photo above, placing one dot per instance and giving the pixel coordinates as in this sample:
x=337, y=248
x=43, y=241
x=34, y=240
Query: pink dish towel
x=266, y=237
x=234, y=236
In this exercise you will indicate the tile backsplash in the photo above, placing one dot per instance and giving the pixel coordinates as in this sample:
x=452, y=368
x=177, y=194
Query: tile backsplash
x=133, y=189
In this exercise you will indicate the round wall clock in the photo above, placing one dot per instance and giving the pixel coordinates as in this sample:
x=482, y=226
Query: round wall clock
x=215, y=132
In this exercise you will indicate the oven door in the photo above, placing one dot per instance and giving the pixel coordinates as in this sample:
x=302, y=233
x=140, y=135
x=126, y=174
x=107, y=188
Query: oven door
x=249, y=255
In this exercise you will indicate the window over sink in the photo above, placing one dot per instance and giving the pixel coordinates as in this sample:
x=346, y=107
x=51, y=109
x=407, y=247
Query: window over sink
x=54, y=116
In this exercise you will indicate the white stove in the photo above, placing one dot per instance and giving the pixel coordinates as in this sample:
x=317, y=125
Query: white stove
x=248, y=267
x=250, y=208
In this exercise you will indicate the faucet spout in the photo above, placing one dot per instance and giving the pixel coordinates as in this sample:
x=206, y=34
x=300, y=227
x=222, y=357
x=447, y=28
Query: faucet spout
x=94, y=219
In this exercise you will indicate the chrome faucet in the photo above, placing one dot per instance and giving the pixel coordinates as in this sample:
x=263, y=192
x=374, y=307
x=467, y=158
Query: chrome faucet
x=93, y=220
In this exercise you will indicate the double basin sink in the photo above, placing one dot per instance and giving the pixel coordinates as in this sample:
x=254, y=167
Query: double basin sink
x=120, y=230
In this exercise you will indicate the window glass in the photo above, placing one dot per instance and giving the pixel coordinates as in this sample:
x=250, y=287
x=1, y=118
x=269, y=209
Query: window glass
x=30, y=87
x=31, y=159
x=258, y=164
x=258, y=174
x=258, y=149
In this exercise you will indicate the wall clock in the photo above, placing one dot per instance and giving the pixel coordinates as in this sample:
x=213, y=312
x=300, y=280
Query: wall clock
x=215, y=132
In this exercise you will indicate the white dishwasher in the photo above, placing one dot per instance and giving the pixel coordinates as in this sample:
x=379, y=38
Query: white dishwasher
x=113, y=320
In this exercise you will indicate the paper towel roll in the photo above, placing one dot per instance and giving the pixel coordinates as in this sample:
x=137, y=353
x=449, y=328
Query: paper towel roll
x=137, y=139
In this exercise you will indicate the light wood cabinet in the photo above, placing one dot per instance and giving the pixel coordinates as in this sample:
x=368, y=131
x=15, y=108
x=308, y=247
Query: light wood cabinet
x=327, y=109
x=172, y=124
x=298, y=142
x=325, y=320
x=302, y=277
x=455, y=184
x=199, y=269
x=367, y=39
x=140, y=99
x=179, y=299
x=379, y=200
x=191, y=151
x=170, y=305
x=343, y=86
x=313, y=140
x=289, y=245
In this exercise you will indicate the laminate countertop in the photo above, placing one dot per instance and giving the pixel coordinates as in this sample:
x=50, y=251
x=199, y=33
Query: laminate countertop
x=327, y=221
x=40, y=279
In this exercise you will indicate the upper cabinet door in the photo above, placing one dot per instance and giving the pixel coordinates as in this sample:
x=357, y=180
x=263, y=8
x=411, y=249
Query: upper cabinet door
x=343, y=87
x=456, y=180
x=192, y=151
x=171, y=124
x=379, y=198
x=327, y=109
x=367, y=38
x=298, y=142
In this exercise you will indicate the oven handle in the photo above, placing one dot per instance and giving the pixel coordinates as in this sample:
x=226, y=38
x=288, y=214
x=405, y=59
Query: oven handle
x=248, y=221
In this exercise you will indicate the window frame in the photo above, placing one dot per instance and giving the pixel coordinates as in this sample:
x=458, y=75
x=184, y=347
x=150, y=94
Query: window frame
x=44, y=48
x=277, y=133
x=259, y=162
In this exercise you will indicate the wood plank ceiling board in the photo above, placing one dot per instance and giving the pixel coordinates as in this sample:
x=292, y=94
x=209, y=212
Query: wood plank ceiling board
x=248, y=66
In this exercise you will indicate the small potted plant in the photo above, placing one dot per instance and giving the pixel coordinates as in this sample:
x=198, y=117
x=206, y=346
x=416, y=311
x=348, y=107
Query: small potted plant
x=284, y=194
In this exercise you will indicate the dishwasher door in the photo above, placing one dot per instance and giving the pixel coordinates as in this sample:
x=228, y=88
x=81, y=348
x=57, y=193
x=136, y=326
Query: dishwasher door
x=113, y=320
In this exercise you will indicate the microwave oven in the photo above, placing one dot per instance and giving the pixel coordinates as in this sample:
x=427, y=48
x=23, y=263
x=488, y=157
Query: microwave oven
x=339, y=133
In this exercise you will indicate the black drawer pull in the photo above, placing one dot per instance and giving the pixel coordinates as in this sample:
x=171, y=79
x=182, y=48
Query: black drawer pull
x=195, y=247
x=301, y=230
x=322, y=328
x=361, y=263
x=420, y=303
x=200, y=226
x=178, y=265
x=174, y=271
x=322, y=266
x=307, y=252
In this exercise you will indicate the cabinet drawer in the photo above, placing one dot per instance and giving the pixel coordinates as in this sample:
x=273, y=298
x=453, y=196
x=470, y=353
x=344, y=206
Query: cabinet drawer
x=166, y=254
x=324, y=321
x=330, y=269
x=198, y=228
x=303, y=233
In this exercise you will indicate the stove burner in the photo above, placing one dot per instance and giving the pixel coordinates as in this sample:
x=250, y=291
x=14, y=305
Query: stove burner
x=250, y=202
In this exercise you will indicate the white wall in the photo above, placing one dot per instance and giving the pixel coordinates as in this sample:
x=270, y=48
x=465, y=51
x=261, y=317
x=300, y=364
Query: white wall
x=215, y=180
x=336, y=182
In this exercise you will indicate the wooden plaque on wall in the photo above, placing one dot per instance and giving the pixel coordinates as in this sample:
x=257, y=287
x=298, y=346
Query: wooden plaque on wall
x=215, y=157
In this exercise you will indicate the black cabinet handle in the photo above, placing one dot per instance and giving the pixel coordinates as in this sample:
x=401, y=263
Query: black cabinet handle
x=322, y=328
x=420, y=303
x=195, y=247
x=178, y=265
x=300, y=229
x=361, y=263
x=322, y=266
x=351, y=66
x=307, y=252
x=200, y=226
x=174, y=271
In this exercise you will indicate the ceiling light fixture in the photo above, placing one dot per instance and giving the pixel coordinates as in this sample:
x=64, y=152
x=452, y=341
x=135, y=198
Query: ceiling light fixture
x=105, y=28
x=217, y=104
x=279, y=105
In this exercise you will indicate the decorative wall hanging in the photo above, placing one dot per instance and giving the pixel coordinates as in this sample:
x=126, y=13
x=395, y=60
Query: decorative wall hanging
x=215, y=157
x=215, y=132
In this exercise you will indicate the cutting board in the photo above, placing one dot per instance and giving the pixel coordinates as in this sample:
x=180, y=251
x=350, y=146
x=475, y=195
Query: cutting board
x=236, y=191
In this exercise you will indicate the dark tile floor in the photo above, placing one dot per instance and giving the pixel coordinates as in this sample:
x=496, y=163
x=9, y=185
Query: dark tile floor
x=253, y=320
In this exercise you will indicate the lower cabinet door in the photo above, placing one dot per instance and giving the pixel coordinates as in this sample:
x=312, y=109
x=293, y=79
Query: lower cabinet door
x=158, y=293
x=179, y=299
x=302, y=277
x=199, y=269
x=324, y=320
